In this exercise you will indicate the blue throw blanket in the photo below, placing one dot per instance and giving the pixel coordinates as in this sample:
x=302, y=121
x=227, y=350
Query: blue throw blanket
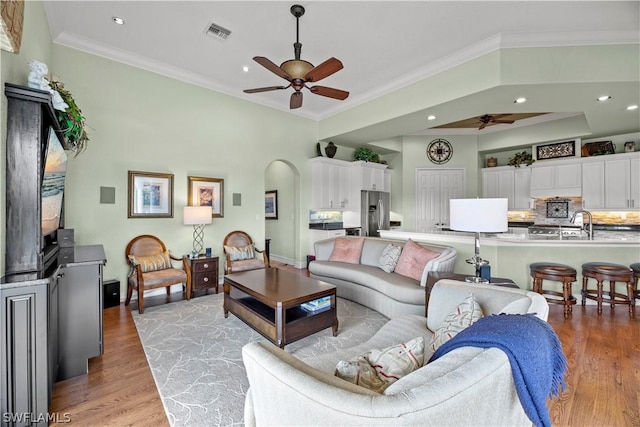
x=537, y=362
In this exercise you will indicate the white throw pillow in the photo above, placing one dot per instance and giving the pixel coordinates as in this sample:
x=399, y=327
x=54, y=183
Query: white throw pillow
x=389, y=258
x=464, y=315
x=378, y=369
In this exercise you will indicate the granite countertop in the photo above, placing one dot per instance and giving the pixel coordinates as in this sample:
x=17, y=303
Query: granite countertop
x=520, y=235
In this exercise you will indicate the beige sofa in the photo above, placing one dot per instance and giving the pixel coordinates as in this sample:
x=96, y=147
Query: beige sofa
x=466, y=386
x=390, y=294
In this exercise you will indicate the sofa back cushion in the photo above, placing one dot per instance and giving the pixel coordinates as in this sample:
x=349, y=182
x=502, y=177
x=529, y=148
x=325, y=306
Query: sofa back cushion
x=372, y=250
x=447, y=294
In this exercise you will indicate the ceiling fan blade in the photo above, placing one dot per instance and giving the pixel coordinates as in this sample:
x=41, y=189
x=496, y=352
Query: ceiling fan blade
x=265, y=89
x=482, y=126
x=329, y=92
x=296, y=100
x=323, y=70
x=509, y=122
x=266, y=63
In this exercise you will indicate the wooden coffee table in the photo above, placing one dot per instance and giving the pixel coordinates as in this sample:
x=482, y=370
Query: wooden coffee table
x=269, y=301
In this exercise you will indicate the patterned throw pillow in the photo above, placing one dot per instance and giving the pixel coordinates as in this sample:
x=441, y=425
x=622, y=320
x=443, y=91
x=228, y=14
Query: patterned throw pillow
x=378, y=369
x=239, y=253
x=347, y=250
x=389, y=258
x=466, y=313
x=413, y=259
x=152, y=262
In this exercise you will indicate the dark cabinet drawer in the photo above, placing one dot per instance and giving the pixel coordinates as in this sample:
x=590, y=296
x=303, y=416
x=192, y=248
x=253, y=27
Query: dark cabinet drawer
x=204, y=274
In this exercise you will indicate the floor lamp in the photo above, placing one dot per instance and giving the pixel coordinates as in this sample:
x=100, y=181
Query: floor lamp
x=478, y=216
x=198, y=216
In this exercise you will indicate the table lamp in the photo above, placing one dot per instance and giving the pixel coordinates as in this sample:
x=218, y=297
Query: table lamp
x=198, y=216
x=478, y=216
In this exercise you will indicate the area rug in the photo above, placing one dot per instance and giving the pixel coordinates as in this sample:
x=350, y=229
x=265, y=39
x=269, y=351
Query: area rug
x=195, y=355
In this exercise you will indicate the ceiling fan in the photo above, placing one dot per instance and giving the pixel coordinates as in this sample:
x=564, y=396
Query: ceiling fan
x=298, y=72
x=490, y=118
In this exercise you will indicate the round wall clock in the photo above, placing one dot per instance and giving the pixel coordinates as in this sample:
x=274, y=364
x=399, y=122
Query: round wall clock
x=439, y=151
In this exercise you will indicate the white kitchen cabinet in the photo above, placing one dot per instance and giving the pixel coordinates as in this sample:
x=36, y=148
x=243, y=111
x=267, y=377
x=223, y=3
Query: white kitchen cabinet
x=560, y=179
x=331, y=184
x=522, y=188
x=593, y=184
x=317, y=235
x=499, y=183
x=369, y=176
x=507, y=182
x=622, y=182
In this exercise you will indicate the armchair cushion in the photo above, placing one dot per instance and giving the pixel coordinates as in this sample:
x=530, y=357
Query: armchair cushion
x=157, y=278
x=238, y=253
x=247, y=264
x=159, y=261
x=413, y=260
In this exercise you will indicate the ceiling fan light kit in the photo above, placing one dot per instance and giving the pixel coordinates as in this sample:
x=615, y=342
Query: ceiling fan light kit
x=299, y=72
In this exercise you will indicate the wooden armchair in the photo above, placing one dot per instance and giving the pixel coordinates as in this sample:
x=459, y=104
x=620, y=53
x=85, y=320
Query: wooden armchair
x=151, y=268
x=241, y=254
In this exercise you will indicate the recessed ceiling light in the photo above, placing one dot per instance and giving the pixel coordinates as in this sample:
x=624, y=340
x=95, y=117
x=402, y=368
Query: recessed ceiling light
x=604, y=98
x=520, y=100
x=118, y=20
x=245, y=68
x=431, y=117
x=632, y=107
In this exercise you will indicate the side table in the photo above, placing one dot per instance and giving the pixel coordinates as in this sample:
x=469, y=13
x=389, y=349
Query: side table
x=204, y=274
x=434, y=276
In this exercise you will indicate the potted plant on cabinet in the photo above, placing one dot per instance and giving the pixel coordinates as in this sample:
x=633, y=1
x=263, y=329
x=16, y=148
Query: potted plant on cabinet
x=520, y=158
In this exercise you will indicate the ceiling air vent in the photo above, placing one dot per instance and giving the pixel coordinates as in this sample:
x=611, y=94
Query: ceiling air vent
x=217, y=31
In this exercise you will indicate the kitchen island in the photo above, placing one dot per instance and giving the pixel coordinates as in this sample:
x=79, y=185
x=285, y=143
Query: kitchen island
x=510, y=254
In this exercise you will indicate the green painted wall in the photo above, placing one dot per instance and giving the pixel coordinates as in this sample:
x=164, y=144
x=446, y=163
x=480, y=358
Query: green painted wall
x=146, y=122
x=281, y=177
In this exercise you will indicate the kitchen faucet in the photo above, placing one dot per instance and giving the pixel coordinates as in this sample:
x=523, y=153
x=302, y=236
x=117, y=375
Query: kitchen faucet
x=590, y=229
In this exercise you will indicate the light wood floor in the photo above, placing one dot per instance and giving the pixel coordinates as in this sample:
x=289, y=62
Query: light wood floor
x=603, y=378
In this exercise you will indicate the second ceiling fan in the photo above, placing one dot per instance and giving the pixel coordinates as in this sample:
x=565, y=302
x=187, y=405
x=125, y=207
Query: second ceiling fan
x=298, y=72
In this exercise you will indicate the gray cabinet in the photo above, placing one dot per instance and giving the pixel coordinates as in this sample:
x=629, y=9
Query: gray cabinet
x=80, y=314
x=25, y=352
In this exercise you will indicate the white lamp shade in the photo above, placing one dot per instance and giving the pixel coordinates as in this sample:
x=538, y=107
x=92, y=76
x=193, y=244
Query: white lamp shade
x=479, y=215
x=196, y=215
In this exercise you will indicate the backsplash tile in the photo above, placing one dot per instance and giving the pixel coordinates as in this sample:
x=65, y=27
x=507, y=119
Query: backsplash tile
x=538, y=215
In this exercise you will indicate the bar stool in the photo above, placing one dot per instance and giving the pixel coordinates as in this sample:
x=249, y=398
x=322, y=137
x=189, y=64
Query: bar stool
x=602, y=271
x=558, y=273
x=636, y=276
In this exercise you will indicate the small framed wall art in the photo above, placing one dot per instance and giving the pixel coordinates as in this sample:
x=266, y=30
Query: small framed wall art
x=150, y=195
x=205, y=191
x=556, y=150
x=271, y=204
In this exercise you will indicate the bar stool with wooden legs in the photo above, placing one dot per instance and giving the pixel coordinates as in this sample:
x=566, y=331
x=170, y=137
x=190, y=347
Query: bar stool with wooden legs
x=635, y=267
x=558, y=273
x=602, y=271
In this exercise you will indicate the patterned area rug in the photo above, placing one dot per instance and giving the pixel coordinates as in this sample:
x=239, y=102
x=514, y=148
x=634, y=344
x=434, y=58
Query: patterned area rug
x=196, y=360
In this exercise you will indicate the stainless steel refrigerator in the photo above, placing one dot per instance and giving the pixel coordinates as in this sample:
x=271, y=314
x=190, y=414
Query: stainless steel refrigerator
x=374, y=209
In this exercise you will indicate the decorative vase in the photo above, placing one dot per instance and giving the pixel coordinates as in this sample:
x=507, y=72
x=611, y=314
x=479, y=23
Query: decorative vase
x=492, y=162
x=330, y=150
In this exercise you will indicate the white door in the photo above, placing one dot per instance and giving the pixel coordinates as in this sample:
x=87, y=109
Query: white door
x=434, y=188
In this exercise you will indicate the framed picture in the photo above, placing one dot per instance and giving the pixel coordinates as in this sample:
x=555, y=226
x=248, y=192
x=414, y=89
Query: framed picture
x=150, y=195
x=556, y=150
x=205, y=191
x=271, y=204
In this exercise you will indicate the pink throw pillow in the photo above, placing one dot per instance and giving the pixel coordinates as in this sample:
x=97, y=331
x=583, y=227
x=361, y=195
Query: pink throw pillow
x=413, y=259
x=347, y=250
